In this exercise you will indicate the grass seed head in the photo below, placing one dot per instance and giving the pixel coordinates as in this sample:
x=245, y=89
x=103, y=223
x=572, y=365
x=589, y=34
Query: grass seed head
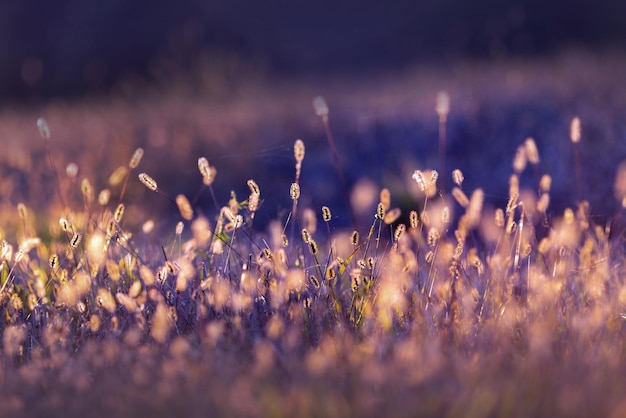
x=6, y=251
x=66, y=226
x=413, y=219
x=96, y=248
x=53, y=262
x=22, y=211
x=146, y=275
x=442, y=105
x=294, y=191
x=385, y=198
x=532, y=153
x=205, y=170
x=320, y=107
x=161, y=324
x=457, y=177
x=520, y=159
x=619, y=186
x=575, y=130
x=104, y=196
x=94, y=323
x=434, y=176
x=433, y=237
x=228, y=214
x=380, y=211
x=136, y=158
x=475, y=208
x=545, y=183
x=512, y=203
x=76, y=238
x=355, y=280
x=71, y=170
x=111, y=228
x=28, y=244
x=391, y=216
x=87, y=190
x=420, y=179
x=298, y=150
x=460, y=197
x=330, y=273
x=147, y=226
x=513, y=193
x=313, y=246
x=399, y=232
x=254, y=188
x=148, y=181
x=44, y=130
x=119, y=213
x=309, y=220
x=253, y=203
x=499, y=217
x=171, y=267
x=306, y=237
x=326, y=214
x=314, y=281
x=429, y=187
x=543, y=202
x=118, y=175
x=207, y=181
x=354, y=238
x=184, y=207
x=445, y=215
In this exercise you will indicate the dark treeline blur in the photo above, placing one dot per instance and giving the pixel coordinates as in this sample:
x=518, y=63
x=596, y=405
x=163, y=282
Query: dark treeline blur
x=72, y=47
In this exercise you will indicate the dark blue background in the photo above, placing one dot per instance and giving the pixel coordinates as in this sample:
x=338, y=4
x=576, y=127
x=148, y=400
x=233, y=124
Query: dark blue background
x=87, y=45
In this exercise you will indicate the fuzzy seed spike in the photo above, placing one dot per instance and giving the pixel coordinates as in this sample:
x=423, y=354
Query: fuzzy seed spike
x=294, y=191
x=320, y=107
x=148, y=181
x=119, y=213
x=575, y=130
x=205, y=169
x=184, y=207
x=326, y=214
x=298, y=150
x=457, y=177
x=254, y=188
x=136, y=158
x=44, y=130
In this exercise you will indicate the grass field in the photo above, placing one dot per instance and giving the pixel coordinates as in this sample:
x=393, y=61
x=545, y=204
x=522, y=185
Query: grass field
x=181, y=252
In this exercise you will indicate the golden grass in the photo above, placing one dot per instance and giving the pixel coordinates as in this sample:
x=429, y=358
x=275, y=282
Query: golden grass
x=472, y=310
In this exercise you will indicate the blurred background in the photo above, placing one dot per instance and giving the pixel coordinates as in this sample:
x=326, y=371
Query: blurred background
x=69, y=47
x=234, y=80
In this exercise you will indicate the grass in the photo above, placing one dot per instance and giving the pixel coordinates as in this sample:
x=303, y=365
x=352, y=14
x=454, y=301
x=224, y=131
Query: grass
x=451, y=307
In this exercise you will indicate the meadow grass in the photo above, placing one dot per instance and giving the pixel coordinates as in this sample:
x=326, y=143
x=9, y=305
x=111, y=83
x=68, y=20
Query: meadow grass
x=452, y=308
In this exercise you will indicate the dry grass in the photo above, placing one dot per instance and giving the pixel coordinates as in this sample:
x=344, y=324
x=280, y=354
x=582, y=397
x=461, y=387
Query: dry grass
x=469, y=309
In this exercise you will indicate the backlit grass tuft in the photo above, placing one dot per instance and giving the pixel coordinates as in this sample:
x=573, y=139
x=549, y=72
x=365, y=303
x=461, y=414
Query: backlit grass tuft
x=454, y=308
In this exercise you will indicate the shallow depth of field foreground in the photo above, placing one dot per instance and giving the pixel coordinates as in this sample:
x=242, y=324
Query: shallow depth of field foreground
x=135, y=283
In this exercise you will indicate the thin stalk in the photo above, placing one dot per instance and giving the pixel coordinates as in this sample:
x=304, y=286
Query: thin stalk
x=337, y=163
